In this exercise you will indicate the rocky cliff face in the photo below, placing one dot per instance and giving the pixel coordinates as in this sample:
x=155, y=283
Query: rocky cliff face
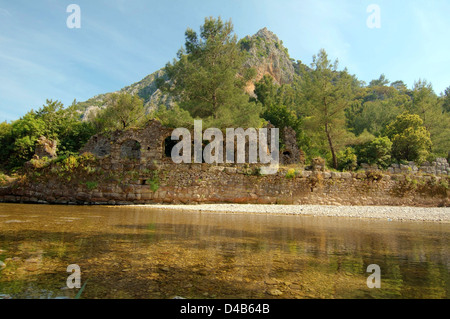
x=146, y=89
x=264, y=52
x=267, y=55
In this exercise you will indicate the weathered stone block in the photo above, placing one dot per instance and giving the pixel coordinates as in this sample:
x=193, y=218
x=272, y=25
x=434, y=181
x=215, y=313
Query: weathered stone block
x=305, y=173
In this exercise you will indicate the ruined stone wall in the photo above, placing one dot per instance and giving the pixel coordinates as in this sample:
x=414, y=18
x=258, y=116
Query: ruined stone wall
x=438, y=167
x=144, y=145
x=132, y=167
x=149, y=144
x=203, y=183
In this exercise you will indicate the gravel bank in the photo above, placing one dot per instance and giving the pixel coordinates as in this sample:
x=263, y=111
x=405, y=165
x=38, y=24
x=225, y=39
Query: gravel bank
x=435, y=214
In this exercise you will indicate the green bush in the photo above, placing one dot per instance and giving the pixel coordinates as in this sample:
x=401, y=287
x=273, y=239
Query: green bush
x=347, y=159
x=70, y=163
x=2, y=179
x=291, y=173
x=40, y=163
x=91, y=185
x=410, y=138
x=376, y=151
x=154, y=184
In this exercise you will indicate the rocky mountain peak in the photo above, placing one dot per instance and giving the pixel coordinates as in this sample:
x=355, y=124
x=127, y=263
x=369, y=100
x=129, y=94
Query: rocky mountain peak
x=267, y=55
x=267, y=34
x=264, y=52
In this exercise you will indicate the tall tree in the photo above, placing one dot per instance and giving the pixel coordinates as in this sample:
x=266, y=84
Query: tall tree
x=425, y=102
x=122, y=111
x=278, y=105
x=327, y=93
x=209, y=77
x=427, y=105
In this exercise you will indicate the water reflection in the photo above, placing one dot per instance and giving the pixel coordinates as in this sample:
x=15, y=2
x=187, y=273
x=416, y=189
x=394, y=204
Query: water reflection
x=144, y=253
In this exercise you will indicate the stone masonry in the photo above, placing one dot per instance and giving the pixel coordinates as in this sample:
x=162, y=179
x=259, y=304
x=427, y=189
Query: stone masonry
x=135, y=167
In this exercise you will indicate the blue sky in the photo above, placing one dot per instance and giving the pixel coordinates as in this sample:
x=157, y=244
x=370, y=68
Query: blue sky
x=120, y=42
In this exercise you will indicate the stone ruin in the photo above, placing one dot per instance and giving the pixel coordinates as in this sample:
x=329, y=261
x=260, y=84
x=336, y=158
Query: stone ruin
x=291, y=154
x=153, y=143
x=45, y=148
x=440, y=166
x=142, y=145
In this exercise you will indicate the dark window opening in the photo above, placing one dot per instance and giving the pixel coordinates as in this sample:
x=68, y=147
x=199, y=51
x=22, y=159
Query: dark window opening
x=168, y=146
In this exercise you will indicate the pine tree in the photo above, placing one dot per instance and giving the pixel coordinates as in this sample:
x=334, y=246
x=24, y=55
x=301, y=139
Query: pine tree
x=208, y=77
x=327, y=93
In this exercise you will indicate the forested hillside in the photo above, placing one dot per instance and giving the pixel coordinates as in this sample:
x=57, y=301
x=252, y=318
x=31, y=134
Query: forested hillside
x=229, y=82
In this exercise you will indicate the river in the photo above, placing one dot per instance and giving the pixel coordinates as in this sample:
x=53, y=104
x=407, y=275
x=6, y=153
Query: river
x=142, y=252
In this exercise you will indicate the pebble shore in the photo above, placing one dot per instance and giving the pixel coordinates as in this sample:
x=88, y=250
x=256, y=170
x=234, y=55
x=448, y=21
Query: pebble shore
x=390, y=213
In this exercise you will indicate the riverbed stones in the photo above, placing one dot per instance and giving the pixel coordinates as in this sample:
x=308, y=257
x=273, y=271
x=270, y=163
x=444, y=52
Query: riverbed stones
x=357, y=211
x=274, y=292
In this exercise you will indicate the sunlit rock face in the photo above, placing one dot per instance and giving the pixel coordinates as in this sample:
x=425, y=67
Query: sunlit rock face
x=267, y=55
x=46, y=148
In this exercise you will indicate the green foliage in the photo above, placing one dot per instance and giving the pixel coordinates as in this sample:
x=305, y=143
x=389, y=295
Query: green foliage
x=381, y=81
x=91, y=185
x=210, y=77
x=329, y=109
x=266, y=91
x=327, y=93
x=427, y=105
x=410, y=139
x=122, y=111
x=40, y=163
x=3, y=179
x=291, y=173
x=279, y=107
x=377, y=151
x=154, y=182
x=347, y=160
x=375, y=107
x=66, y=165
x=374, y=175
x=444, y=184
x=280, y=116
x=245, y=43
x=446, y=100
x=52, y=121
x=252, y=171
x=175, y=117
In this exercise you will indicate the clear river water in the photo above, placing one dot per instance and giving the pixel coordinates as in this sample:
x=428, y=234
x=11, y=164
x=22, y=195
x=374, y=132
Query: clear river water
x=142, y=252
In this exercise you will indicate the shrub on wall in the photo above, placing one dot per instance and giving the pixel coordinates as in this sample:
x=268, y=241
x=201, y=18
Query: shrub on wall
x=347, y=159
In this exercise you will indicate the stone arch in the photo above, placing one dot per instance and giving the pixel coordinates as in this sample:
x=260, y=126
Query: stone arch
x=130, y=149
